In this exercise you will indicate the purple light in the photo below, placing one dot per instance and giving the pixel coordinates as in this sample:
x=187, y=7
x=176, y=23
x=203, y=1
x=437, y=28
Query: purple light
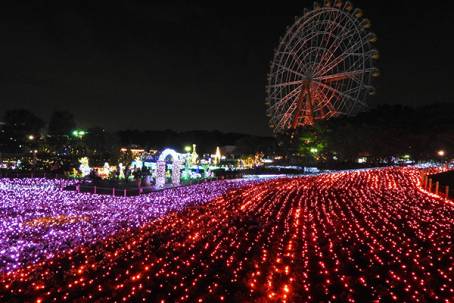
x=38, y=219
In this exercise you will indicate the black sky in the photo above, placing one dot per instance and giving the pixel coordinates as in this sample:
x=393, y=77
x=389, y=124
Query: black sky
x=184, y=66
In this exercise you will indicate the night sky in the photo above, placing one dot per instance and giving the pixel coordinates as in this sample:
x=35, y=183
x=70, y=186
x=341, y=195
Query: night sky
x=184, y=66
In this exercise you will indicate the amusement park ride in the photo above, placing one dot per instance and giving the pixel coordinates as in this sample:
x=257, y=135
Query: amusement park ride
x=322, y=68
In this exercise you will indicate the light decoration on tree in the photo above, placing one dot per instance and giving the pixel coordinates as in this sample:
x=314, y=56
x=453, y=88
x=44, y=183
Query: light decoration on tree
x=84, y=167
x=194, y=155
x=121, y=173
x=217, y=156
x=79, y=133
x=137, y=163
x=105, y=171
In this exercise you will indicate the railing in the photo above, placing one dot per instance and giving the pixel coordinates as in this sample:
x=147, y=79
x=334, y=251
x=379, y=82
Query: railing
x=434, y=187
x=31, y=174
x=113, y=191
x=103, y=189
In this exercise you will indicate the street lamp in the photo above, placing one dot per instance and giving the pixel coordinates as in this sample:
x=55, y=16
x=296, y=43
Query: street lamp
x=31, y=137
x=441, y=153
x=187, y=149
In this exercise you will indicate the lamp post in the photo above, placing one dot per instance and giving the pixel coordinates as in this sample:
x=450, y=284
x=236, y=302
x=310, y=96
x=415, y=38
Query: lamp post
x=442, y=153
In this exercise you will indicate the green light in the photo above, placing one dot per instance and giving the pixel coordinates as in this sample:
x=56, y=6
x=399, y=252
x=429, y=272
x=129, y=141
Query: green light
x=187, y=149
x=79, y=133
x=313, y=150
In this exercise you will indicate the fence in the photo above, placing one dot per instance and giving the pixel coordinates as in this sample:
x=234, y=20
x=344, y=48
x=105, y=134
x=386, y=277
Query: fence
x=31, y=174
x=429, y=184
x=114, y=191
x=94, y=188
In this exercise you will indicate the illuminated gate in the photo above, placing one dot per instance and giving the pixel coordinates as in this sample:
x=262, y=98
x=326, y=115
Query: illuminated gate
x=161, y=167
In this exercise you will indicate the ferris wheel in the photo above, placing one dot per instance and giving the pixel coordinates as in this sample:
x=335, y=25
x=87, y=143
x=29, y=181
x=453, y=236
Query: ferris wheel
x=322, y=68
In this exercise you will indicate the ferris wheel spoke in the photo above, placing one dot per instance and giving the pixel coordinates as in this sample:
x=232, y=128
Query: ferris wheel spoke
x=334, y=47
x=324, y=70
x=332, y=109
x=326, y=101
x=284, y=84
x=344, y=75
x=279, y=113
x=338, y=92
x=325, y=108
x=356, y=71
x=287, y=115
x=331, y=50
x=329, y=105
x=332, y=25
x=339, y=59
x=285, y=99
x=297, y=59
x=290, y=70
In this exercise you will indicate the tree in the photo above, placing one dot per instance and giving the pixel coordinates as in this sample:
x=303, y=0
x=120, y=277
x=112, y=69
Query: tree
x=312, y=142
x=61, y=123
x=20, y=126
x=22, y=121
x=388, y=132
x=101, y=145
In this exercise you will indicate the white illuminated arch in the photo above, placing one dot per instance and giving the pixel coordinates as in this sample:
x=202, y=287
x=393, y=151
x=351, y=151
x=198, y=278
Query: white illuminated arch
x=165, y=153
x=161, y=168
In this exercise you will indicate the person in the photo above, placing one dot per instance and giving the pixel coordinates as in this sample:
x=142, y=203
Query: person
x=137, y=176
x=93, y=176
x=146, y=175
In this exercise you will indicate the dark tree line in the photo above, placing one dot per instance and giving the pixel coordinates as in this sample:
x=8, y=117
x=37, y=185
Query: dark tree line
x=206, y=141
x=378, y=134
x=29, y=138
x=387, y=131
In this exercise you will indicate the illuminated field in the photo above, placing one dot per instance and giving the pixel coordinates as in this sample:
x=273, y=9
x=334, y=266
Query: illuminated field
x=39, y=219
x=357, y=237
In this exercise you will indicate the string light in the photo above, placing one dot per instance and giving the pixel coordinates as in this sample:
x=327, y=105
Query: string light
x=353, y=236
x=38, y=219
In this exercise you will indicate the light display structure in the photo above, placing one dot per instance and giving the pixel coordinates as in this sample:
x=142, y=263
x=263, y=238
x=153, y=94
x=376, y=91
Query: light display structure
x=161, y=167
x=160, y=173
x=84, y=166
